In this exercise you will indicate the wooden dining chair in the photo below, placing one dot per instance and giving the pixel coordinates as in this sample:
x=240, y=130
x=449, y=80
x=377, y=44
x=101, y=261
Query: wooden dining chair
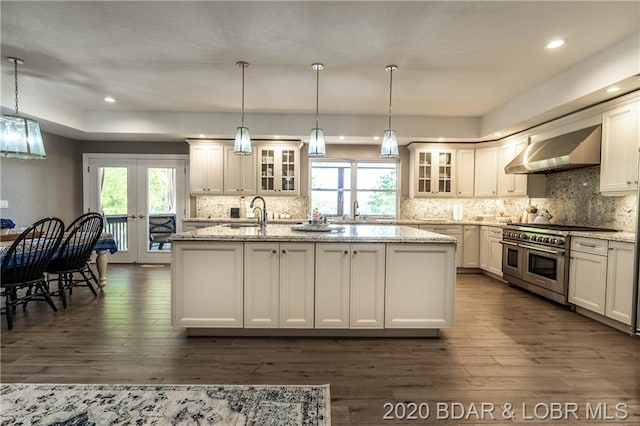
x=24, y=264
x=70, y=263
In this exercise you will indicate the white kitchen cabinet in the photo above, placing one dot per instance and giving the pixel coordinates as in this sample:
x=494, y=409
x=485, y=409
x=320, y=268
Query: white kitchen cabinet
x=432, y=172
x=517, y=185
x=278, y=286
x=349, y=285
x=465, y=172
x=491, y=249
x=207, y=284
x=419, y=300
x=588, y=274
x=206, y=168
x=485, y=171
x=619, y=281
x=239, y=172
x=454, y=231
x=278, y=169
x=470, y=246
x=620, y=142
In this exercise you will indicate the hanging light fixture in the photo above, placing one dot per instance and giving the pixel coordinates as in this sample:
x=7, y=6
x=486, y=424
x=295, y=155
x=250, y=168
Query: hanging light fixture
x=242, y=145
x=21, y=137
x=389, y=148
x=317, y=147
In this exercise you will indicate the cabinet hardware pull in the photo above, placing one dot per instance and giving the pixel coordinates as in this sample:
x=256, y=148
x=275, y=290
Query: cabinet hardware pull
x=355, y=252
x=587, y=245
x=284, y=251
x=274, y=251
x=346, y=252
x=133, y=216
x=141, y=216
x=610, y=248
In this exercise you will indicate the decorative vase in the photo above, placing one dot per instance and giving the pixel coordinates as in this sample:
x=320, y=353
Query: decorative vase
x=531, y=217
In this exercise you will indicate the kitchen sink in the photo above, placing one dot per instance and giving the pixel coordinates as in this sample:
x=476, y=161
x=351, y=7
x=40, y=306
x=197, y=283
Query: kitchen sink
x=241, y=225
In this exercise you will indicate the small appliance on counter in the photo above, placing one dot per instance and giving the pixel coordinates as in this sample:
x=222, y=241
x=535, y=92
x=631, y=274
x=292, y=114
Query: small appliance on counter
x=234, y=212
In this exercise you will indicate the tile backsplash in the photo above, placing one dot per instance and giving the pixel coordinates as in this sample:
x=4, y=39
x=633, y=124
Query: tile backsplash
x=572, y=197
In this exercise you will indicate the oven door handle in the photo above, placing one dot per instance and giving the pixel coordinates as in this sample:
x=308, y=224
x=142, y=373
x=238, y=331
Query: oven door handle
x=509, y=243
x=544, y=250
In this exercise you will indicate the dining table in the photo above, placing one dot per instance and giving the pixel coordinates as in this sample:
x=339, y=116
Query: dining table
x=106, y=244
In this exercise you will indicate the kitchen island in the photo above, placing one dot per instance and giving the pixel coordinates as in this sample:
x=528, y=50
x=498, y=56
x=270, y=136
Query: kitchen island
x=354, y=280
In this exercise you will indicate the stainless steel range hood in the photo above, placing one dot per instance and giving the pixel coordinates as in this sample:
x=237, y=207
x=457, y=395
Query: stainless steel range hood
x=569, y=151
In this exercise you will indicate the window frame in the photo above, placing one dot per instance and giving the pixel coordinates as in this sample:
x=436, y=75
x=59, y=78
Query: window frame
x=354, y=189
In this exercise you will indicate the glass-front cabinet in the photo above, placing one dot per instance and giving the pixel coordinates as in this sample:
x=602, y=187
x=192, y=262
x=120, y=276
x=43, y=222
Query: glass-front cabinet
x=278, y=169
x=433, y=171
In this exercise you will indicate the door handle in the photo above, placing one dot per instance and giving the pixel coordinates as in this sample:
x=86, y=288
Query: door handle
x=141, y=216
x=133, y=216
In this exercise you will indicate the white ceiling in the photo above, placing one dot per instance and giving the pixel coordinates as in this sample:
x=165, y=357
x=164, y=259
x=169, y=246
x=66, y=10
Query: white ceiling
x=456, y=59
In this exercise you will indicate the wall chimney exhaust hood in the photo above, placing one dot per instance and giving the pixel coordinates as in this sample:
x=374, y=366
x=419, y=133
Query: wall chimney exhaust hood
x=569, y=151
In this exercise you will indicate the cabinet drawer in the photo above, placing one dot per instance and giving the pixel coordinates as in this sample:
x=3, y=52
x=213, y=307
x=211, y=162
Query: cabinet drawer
x=590, y=245
x=451, y=230
x=495, y=232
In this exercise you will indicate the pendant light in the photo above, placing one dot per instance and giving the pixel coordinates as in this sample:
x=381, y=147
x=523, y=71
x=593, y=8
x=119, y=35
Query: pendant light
x=242, y=145
x=389, y=148
x=317, y=147
x=21, y=137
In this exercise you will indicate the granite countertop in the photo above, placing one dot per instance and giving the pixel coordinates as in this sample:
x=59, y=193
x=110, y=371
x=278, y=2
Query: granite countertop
x=350, y=221
x=625, y=237
x=350, y=233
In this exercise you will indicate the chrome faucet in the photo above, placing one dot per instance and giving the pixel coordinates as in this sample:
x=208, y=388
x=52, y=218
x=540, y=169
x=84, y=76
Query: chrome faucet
x=354, y=211
x=263, y=211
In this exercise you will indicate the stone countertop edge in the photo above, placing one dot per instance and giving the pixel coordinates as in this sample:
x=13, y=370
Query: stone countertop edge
x=621, y=236
x=351, y=233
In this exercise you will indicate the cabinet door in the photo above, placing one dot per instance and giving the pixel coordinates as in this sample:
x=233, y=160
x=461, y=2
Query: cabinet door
x=278, y=170
x=619, y=281
x=424, y=184
x=206, y=175
x=445, y=173
x=296, y=285
x=267, y=169
x=495, y=248
x=215, y=301
x=367, y=286
x=485, y=248
x=471, y=247
x=419, y=300
x=465, y=172
x=620, y=141
x=333, y=275
x=485, y=172
x=587, y=281
x=288, y=170
x=239, y=172
x=261, y=285
x=454, y=231
x=521, y=182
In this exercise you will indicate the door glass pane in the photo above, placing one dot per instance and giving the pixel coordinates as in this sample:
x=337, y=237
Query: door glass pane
x=112, y=183
x=542, y=265
x=161, y=209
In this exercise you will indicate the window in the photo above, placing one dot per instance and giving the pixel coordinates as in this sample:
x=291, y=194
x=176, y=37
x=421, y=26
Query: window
x=337, y=184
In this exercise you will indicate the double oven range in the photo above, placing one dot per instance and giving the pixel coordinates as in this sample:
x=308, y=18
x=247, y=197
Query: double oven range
x=536, y=257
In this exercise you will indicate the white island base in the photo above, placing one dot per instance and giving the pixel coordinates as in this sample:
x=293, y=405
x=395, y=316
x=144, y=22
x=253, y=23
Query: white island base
x=390, y=281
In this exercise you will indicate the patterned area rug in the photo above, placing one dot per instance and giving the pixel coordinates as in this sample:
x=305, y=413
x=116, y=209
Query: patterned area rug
x=89, y=405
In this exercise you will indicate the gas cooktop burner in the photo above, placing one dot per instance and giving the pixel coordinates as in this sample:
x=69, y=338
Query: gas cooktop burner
x=560, y=227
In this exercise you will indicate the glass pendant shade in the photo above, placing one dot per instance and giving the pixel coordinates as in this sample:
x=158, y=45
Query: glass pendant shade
x=21, y=138
x=316, y=143
x=242, y=145
x=389, y=148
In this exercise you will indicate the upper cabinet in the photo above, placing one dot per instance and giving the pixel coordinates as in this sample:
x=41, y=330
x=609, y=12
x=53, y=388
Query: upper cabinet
x=620, y=142
x=485, y=171
x=206, y=172
x=239, y=172
x=465, y=175
x=510, y=185
x=433, y=172
x=278, y=169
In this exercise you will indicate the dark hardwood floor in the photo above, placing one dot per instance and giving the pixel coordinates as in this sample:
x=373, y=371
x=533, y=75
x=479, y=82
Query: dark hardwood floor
x=507, y=347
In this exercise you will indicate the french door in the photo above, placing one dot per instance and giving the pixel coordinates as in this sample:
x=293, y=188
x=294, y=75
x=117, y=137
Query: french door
x=143, y=200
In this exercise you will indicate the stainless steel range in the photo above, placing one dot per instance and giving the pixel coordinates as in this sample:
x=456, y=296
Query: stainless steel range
x=536, y=257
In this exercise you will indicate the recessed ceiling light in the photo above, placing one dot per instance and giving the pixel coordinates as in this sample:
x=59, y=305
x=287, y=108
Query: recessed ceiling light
x=498, y=134
x=109, y=99
x=341, y=137
x=201, y=135
x=554, y=44
x=613, y=89
x=440, y=139
x=375, y=138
